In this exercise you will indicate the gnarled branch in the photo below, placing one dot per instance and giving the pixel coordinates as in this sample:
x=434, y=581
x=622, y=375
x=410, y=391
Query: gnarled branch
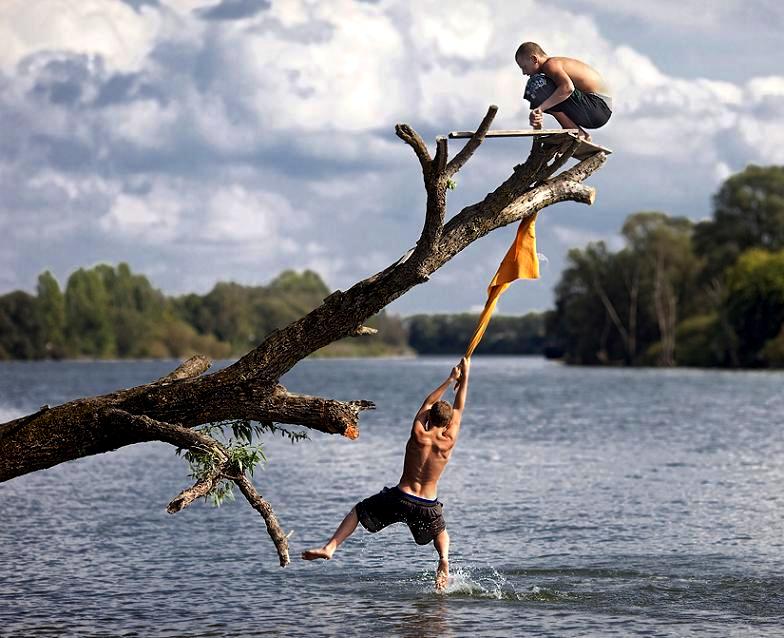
x=476, y=139
x=188, y=369
x=412, y=138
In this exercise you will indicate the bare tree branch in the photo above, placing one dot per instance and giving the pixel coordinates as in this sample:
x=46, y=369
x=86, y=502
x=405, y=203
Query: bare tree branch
x=476, y=139
x=199, y=489
x=187, y=438
x=263, y=507
x=565, y=151
x=442, y=152
x=411, y=137
x=188, y=369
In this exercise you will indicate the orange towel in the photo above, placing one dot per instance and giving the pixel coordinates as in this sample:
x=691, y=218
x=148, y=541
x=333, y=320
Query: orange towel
x=520, y=262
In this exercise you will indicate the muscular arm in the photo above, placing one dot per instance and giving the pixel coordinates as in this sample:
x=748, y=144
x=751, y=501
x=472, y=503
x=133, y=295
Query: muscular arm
x=554, y=69
x=453, y=429
x=434, y=396
x=462, y=391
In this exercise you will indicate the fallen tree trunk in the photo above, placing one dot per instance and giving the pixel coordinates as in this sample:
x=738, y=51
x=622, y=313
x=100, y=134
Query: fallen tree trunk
x=249, y=389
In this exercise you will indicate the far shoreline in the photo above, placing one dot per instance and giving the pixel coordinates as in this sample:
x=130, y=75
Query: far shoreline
x=222, y=363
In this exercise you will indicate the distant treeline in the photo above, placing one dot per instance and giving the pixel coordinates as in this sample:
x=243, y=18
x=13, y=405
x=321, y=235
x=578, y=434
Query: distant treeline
x=108, y=312
x=450, y=334
x=679, y=293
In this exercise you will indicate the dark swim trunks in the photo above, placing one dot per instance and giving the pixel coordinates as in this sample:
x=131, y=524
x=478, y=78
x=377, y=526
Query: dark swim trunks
x=424, y=518
x=589, y=110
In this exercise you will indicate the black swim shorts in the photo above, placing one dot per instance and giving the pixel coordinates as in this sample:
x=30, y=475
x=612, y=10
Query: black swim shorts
x=424, y=518
x=584, y=109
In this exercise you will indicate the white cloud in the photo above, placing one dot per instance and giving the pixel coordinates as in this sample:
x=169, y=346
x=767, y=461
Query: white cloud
x=760, y=88
x=346, y=77
x=170, y=210
x=143, y=122
x=109, y=28
x=236, y=215
x=152, y=218
x=573, y=236
x=764, y=137
x=722, y=171
x=694, y=17
x=577, y=237
x=461, y=30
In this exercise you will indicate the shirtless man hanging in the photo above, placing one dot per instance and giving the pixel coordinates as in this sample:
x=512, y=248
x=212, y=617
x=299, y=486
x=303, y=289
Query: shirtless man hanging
x=413, y=500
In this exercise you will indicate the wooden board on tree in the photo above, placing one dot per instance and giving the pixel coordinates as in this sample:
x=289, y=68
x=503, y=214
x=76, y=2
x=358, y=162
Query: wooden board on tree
x=554, y=135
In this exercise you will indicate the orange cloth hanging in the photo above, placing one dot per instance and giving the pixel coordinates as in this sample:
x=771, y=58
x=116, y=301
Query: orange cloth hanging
x=520, y=262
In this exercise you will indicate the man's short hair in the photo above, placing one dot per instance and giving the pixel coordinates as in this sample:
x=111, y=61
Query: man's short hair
x=440, y=414
x=527, y=49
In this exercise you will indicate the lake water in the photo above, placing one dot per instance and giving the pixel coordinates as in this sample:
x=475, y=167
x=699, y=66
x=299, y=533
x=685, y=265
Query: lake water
x=580, y=502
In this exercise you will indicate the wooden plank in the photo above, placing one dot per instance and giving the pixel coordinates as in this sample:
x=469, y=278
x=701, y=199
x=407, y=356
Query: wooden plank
x=586, y=149
x=555, y=135
x=530, y=132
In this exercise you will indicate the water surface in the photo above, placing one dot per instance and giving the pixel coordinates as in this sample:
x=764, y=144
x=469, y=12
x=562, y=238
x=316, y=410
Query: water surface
x=601, y=502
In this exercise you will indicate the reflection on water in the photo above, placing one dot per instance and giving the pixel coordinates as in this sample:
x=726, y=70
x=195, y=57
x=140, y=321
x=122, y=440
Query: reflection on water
x=579, y=502
x=428, y=616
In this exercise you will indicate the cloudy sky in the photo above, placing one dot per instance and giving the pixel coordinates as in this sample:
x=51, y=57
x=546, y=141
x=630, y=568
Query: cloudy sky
x=207, y=140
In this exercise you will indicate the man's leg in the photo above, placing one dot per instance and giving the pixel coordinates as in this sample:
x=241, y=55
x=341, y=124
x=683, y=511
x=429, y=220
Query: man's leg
x=344, y=530
x=441, y=543
x=566, y=122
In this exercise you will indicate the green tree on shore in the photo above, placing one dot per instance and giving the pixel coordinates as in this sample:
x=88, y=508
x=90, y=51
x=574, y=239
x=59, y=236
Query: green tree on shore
x=748, y=212
x=51, y=312
x=109, y=311
x=704, y=294
x=755, y=302
x=88, y=325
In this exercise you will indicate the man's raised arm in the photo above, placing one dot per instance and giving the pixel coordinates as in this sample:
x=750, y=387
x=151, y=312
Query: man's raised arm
x=462, y=384
x=436, y=394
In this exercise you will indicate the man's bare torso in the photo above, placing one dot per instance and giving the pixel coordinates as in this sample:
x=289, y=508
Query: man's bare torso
x=583, y=76
x=426, y=457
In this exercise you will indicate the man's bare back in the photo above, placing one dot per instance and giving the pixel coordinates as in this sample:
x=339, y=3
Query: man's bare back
x=584, y=77
x=427, y=454
x=430, y=445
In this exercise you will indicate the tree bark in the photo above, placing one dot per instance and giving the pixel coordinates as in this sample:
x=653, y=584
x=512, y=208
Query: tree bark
x=249, y=388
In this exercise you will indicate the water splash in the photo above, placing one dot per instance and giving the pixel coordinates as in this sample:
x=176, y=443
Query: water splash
x=469, y=582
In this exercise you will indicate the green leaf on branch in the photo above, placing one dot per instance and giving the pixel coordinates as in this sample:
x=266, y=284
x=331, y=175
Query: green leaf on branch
x=237, y=436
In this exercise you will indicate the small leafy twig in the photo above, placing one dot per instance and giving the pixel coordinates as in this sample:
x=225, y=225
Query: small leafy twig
x=244, y=456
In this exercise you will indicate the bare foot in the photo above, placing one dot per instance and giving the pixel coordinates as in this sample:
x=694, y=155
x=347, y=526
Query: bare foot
x=315, y=554
x=583, y=134
x=442, y=575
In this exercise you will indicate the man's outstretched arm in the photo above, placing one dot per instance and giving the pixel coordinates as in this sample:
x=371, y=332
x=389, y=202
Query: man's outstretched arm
x=462, y=384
